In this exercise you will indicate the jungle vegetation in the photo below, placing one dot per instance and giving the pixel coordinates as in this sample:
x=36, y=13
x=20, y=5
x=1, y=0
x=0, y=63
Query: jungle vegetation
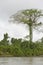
x=19, y=47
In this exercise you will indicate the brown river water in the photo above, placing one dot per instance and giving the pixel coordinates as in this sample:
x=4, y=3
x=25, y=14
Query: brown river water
x=21, y=60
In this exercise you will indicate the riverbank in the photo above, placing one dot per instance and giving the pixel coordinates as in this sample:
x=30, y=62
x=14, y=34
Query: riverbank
x=24, y=51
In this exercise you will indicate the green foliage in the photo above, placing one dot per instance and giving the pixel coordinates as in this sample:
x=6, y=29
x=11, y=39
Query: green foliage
x=5, y=40
x=21, y=48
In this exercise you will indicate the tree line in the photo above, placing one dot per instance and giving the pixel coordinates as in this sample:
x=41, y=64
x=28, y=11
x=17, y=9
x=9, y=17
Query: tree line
x=18, y=47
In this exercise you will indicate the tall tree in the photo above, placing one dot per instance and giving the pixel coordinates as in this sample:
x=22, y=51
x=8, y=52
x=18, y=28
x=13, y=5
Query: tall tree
x=29, y=17
x=5, y=40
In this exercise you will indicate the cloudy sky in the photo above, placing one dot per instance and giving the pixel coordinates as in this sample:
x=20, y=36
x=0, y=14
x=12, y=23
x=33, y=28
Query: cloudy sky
x=8, y=8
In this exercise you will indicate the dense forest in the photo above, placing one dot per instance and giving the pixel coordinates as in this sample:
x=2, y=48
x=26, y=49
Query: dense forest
x=19, y=47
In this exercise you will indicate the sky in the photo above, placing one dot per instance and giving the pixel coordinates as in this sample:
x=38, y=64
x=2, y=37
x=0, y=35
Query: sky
x=10, y=7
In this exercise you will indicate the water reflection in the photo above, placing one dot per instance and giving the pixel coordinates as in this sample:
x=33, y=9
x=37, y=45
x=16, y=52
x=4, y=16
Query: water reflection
x=21, y=60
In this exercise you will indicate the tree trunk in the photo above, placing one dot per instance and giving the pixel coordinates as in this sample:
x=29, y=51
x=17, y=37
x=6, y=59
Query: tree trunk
x=30, y=30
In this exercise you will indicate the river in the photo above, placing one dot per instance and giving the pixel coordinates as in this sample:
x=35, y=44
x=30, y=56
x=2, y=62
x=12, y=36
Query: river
x=21, y=60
